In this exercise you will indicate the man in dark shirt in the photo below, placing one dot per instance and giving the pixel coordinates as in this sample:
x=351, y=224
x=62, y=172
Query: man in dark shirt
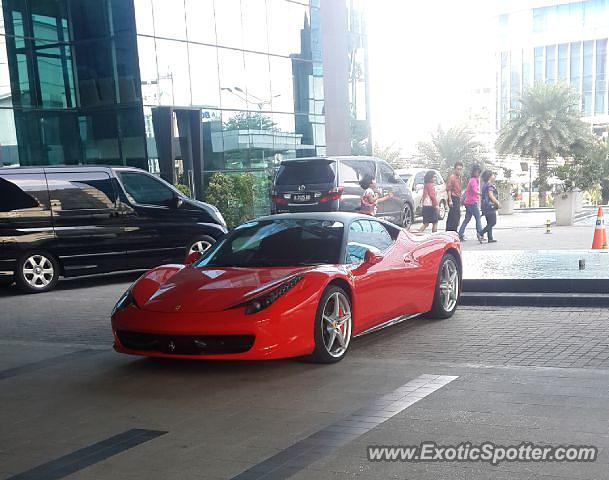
x=453, y=191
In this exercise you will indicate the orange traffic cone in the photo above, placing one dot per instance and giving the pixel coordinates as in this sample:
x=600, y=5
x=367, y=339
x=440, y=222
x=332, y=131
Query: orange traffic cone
x=600, y=234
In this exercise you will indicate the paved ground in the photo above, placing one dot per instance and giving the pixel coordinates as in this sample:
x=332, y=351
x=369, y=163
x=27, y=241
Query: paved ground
x=535, y=375
x=526, y=230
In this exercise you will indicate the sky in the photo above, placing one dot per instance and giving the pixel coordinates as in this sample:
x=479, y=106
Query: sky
x=423, y=57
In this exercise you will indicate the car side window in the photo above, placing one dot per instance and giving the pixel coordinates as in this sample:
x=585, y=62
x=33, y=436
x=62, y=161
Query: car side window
x=352, y=171
x=73, y=191
x=386, y=173
x=419, y=179
x=145, y=189
x=23, y=191
x=366, y=235
x=438, y=180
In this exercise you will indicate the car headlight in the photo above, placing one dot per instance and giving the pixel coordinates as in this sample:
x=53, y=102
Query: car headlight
x=264, y=301
x=126, y=300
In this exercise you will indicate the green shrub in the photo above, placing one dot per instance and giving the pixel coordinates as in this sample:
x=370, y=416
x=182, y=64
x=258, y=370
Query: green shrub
x=233, y=195
x=184, y=189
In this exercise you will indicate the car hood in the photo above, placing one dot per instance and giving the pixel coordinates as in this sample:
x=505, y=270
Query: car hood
x=198, y=290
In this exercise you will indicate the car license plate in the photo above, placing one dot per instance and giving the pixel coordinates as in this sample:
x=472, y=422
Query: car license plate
x=301, y=198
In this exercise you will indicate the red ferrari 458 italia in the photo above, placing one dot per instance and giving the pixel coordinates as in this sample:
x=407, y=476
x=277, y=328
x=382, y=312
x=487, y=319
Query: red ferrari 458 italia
x=289, y=285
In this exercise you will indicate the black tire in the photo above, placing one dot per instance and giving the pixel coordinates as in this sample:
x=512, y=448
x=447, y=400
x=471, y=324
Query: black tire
x=37, y=272
x=407, y=216
x=204, y=239
x=443, y=210
x=321, y=354
x=439, y=309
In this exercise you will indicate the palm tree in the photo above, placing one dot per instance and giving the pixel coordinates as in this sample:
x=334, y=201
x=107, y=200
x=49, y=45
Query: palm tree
x=546, y=125
x=446, y=147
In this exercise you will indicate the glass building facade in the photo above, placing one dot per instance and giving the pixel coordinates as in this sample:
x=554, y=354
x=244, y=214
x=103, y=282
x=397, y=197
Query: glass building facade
x=183, y=88
x=564, y=42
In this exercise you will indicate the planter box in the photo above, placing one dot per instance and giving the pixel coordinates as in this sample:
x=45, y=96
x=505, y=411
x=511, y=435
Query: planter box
x=579, y=201
x=507, y=206
x=564, y=205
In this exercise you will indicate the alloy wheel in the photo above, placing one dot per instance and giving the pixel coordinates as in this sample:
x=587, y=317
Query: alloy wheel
x=38, y=271
x=200, y=246
x=449, y=285
x=407, y=217
x=336, y=324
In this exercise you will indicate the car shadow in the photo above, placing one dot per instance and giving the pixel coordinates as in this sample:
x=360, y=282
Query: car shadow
x=72, y=283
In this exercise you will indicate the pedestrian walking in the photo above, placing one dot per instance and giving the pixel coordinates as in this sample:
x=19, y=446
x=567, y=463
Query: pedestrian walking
x=370, y=198
x=470, y=200
x=489, y=203
x=429, y=203
x=453, y=191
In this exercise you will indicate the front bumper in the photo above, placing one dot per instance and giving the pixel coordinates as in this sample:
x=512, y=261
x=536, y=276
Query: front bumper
x=270, y=334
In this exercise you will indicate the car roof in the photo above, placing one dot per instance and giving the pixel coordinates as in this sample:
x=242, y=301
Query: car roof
x=74, y=167
x=344, y=217
x=328, y=158
x=401, y=171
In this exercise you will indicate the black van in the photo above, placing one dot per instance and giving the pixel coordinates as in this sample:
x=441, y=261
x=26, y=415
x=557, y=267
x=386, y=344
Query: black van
x=330, y=184
x=82, y=220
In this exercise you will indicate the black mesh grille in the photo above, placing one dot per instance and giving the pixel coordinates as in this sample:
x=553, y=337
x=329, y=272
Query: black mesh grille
x=186, y=344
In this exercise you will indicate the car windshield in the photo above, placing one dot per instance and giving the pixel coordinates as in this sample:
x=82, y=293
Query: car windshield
x=278, y=243
x=405, y=176
x=312, y=172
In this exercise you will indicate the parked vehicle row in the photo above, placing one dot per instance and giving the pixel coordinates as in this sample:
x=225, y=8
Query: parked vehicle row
x=414, y=180
x=332, y=184
x=81, y=220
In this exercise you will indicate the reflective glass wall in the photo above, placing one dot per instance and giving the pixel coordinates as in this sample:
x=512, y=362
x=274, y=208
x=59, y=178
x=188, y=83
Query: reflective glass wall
x=251, y=69
x=69, y=83
x=582, y=65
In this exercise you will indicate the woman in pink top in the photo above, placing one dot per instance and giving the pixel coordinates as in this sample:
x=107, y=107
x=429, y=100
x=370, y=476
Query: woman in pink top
x=472, y=194
x=429, y=203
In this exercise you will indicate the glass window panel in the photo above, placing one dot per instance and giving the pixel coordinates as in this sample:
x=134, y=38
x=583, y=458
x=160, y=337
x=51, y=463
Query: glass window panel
x=601, y=76
x=96, y=83
x=174, y=77
x=286, y=139
x=527, y=68
x=285, y=22
x=588, y=79
x=516, y=63
x=89, y=19
x=228, y=23
x=125, y=51
x=232, y=79
x=563, y=62
x=258, y=81
x=56, y=83
x=9, y=153
x=204, y=75
x=282, y=84
x=144, y=20
x=551, y=64
x=575, y=67
x=99, y=137
x=539, y=64
x=132, y=137
x=123, y=16
x=169, y=19
x=49, y=20
x=200, y=21
x=255, y=33
x=6, y=97
x=149, y=74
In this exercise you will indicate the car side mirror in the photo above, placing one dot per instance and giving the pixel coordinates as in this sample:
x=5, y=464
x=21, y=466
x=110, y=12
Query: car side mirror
x=175, y=202
x=192, y=258
x=372, y=258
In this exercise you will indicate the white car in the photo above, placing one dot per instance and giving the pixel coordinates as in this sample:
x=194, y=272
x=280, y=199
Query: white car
x=413, y=177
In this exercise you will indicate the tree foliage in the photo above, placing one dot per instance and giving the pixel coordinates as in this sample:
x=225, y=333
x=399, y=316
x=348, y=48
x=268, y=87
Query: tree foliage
x=389, y=153
x=546, y=125
x=233, y=195
x=446, y=147
x=250, y=121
